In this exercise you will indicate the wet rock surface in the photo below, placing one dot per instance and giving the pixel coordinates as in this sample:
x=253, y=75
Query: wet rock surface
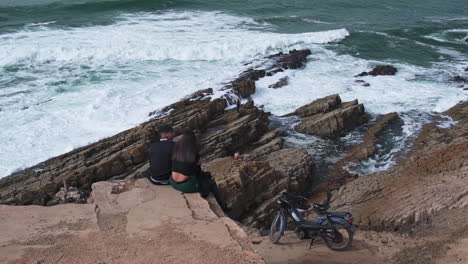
x=244, y=85
x=340, y=173
x=380, y=70
x=459, y=79
x=280, y=83
x=328, y=117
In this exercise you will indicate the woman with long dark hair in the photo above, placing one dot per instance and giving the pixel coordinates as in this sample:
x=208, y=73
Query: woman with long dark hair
x=187, y=176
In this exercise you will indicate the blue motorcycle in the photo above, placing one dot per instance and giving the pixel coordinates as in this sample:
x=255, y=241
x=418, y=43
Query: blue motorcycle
x=335, y=228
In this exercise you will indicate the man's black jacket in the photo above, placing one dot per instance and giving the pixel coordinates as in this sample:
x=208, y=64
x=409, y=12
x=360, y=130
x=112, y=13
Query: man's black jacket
x=160, y=159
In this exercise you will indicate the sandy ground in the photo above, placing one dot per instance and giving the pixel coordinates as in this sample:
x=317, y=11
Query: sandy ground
x=444, y=240
x=367, y=247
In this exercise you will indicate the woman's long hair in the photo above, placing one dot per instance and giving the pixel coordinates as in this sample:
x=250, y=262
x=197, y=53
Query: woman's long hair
x=185, y=149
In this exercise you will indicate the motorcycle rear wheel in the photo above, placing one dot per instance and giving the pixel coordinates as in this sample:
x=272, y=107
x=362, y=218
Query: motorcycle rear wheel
x=275, y=232
x=340, y=239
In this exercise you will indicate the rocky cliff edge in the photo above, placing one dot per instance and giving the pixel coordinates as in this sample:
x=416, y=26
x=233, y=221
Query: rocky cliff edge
x=124, y=222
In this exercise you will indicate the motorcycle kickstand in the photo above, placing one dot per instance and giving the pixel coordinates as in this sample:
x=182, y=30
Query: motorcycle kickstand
x=311, y=242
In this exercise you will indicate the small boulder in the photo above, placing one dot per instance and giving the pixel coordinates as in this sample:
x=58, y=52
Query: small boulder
x=293, y=60
x=383, y=70
x=380, y=70
x=68, y=195
x=280, y=83
x=362, y=74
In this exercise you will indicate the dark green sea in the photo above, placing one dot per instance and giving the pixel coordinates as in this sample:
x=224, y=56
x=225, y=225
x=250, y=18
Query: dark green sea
x=75, y=71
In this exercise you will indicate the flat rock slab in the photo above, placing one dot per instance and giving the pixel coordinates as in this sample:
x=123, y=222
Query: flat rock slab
x=125, y=222
x=336, y=122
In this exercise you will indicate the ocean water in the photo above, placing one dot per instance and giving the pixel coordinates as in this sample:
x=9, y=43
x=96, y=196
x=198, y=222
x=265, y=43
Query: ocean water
x=75, y=71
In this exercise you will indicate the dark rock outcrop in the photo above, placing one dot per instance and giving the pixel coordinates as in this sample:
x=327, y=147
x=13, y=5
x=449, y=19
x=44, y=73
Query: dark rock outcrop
x=295, y=59
x=458, y=78
x=362, y=82
x=328, y=117
x=380, y=70
x=280, y=83
x=244, y=85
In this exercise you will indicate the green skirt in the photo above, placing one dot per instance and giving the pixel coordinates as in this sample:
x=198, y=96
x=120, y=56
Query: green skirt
x=203, y=185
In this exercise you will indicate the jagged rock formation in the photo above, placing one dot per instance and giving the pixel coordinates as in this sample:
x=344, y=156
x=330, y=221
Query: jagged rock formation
x=251, y=187
x=120, y=156
x=328, y=117
x=244, y=85
x=233, y=131
x=433, y=177
x=380, y=70
x=124, y=156
x=368, y=147
x=126, y=222
x=340, y=174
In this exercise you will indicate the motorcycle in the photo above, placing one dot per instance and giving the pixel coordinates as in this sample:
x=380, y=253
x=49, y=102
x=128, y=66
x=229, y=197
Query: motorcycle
x=334, y=228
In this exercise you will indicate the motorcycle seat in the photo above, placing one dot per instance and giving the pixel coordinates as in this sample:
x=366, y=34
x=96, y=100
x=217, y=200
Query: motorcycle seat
x=340, y=214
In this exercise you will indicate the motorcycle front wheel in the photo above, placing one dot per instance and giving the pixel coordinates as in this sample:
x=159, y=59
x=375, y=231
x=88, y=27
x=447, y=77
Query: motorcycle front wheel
x=275, y=229
x=340, y=239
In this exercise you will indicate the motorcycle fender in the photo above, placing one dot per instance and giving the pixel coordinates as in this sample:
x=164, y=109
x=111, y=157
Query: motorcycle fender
x=282, y=223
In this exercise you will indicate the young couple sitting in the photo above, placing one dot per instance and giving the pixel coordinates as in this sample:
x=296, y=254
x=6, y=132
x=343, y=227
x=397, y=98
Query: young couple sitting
x=178, y=164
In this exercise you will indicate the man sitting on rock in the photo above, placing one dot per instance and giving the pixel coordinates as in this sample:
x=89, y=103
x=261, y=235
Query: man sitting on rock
x=160, y=154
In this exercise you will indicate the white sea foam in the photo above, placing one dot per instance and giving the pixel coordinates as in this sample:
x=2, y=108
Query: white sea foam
x=443, y=36
x=315, y=21
x=64, y=88
x=40, y=24
x=184, y=36
x=328, y=73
